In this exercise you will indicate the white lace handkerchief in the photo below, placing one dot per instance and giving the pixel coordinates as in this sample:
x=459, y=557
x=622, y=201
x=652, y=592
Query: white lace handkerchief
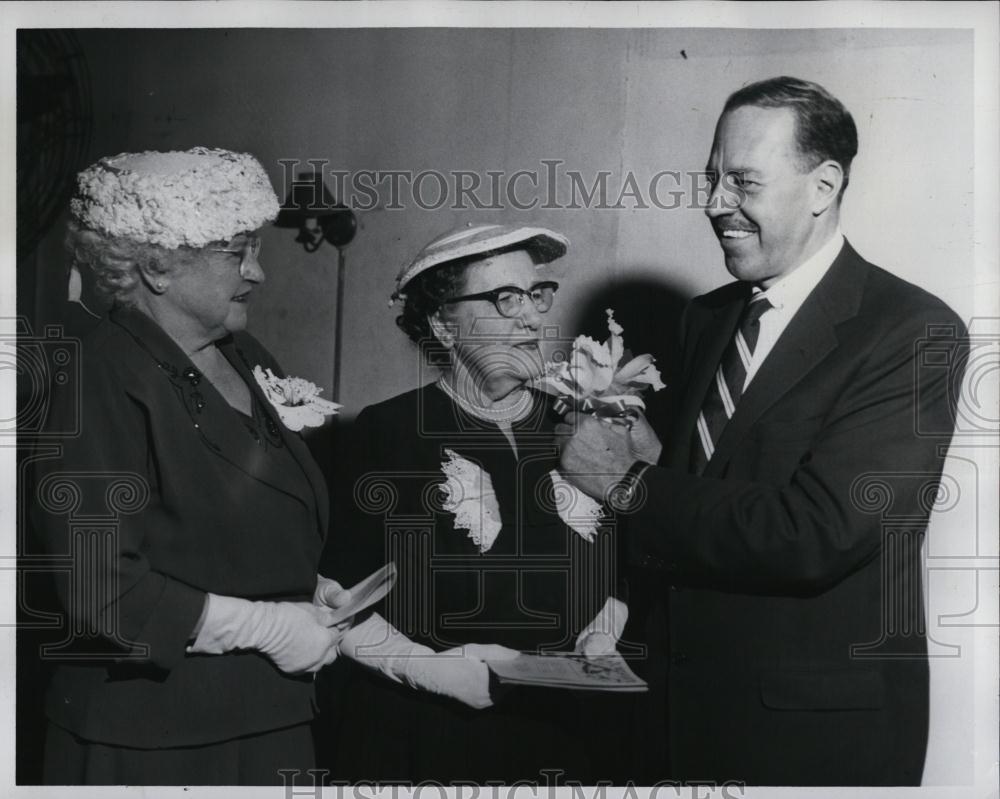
x=469, y=495
x=578, y=510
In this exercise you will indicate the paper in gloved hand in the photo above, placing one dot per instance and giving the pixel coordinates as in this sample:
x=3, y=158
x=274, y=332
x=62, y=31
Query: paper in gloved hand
x=569, y=670
x=365, y=594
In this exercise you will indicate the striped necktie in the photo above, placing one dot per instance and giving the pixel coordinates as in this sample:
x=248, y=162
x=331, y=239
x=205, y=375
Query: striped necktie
x=727, y=386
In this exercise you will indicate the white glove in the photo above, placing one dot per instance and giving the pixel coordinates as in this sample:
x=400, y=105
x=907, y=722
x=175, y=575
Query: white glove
x=459, y=673
x=292, y=634
x=601, y=636
x=329, y=593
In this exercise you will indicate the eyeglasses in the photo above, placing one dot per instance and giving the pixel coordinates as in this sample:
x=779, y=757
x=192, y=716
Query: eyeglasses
x=509, y=300
x=247, y=249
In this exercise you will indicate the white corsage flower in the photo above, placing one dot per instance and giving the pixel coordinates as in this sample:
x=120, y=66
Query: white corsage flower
x=470, y=496
x=594, y=379
x=297, y=401
x=577, y=510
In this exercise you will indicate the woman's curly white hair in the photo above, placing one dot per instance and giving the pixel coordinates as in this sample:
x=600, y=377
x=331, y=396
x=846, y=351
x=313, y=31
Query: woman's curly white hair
x=115, y=262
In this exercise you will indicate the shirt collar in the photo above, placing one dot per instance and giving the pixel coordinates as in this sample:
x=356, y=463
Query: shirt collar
x=793, y=288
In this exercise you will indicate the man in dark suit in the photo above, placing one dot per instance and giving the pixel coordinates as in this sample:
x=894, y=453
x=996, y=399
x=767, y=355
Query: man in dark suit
x=787, y=505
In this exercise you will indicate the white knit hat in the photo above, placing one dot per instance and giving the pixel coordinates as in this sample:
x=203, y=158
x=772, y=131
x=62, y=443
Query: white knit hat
x=179, y=198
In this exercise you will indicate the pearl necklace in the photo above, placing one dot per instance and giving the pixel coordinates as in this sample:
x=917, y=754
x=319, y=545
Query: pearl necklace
x=513, y=413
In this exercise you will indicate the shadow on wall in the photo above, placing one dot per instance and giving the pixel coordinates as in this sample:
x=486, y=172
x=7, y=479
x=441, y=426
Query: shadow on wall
x=649, y=310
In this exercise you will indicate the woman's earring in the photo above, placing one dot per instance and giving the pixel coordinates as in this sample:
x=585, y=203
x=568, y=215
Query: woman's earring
x=159, y=285
x=441, y=331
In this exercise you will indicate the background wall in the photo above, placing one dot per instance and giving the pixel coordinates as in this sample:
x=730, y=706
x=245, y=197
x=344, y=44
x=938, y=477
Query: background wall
x=622, y=100
x=639, y=100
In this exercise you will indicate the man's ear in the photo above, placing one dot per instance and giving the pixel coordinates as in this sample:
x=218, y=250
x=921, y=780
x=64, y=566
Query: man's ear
x=829, y=177
x=442, y=331
x=154, y=274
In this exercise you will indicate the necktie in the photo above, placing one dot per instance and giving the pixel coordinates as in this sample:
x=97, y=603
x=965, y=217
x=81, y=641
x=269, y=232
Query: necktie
x=727, y=386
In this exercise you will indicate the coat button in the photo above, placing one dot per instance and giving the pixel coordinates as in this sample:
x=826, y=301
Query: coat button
x=679, y=658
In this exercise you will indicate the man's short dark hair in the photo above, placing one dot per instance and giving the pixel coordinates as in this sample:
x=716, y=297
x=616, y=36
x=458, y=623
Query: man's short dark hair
x=824, y=129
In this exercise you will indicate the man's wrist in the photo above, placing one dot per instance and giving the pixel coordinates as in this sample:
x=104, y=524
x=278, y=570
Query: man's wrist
x=623, y=495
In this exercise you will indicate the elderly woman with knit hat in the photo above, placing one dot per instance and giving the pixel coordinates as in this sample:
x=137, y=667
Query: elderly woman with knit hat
x=194, y=637
x=454, y=483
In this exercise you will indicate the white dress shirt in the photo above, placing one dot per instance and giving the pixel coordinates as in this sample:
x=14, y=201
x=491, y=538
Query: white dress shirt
x=786, y=297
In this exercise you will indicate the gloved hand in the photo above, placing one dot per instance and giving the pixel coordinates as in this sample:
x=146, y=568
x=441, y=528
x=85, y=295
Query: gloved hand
x=331, y=594
x=292, y=634
x=459, y=673
x=601, y=636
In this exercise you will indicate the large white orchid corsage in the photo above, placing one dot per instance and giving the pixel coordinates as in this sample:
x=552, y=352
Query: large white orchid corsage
x=297, y=401
x=468, y=493
x=594, y=379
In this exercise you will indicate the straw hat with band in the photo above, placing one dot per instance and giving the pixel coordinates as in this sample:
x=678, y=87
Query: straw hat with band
x=545, y=245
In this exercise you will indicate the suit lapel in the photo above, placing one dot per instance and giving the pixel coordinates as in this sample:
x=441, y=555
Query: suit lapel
x=809, y=337
x=292, y=440
x=221, y=427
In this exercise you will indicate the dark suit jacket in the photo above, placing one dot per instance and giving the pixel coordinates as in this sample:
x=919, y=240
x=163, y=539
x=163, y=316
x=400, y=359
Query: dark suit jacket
x=161, y=495
x=796, y=646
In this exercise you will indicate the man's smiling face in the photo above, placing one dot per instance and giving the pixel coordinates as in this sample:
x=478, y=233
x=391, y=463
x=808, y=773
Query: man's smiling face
x=763, y=196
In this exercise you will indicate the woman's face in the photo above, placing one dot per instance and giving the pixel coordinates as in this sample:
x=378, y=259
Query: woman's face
x=500, y=354
x=209, y=293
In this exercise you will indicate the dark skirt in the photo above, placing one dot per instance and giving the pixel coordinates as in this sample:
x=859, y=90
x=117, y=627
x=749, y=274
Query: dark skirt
x=250, y=760
x=373, y=730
